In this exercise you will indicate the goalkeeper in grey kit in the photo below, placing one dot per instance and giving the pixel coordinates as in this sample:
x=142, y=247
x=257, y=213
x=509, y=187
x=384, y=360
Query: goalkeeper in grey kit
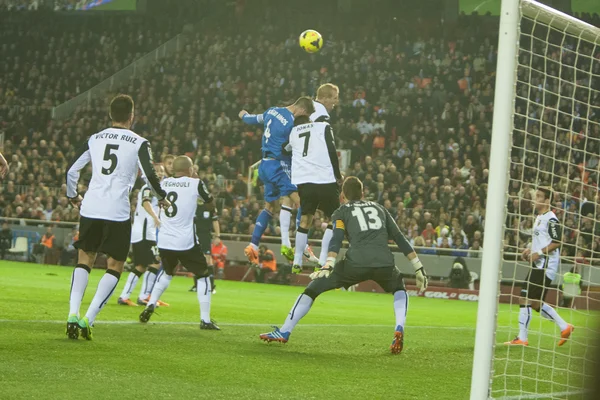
x=369, y=227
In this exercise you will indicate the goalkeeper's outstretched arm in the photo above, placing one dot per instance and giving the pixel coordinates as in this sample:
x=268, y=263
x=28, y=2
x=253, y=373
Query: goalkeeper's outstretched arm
x=334, y=248
x=395, y=234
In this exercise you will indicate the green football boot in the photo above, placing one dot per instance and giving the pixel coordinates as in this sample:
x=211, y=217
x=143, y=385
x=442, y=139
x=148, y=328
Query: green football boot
x=86, y=328
x=287, y=252
x=73, y=327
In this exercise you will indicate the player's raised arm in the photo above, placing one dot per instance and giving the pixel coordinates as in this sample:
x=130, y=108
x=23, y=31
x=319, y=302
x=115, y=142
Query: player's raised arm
x=332, y=151
x=148, y=172
x=251, y=119
x=82, y=157
x=398, y=237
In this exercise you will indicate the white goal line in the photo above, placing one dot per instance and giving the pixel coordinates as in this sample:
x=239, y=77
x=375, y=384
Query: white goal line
x=125, y=322
x=540, y=395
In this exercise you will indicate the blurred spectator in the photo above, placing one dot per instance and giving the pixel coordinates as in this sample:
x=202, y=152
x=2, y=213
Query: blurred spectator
x=49, y=243
x=267, y=264
x=219, y=255
x=5, y=240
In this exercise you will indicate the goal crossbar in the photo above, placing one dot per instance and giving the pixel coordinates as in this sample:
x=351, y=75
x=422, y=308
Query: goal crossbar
x=560, y=21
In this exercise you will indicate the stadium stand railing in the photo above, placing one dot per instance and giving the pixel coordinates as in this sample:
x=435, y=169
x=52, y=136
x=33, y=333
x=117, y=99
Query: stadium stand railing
x=120, y=78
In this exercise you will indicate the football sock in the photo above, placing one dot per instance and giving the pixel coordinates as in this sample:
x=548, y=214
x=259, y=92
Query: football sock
x=301, y=240
x=550, y=313
x=106, y=287
x=144, y=278
x=132, y=280
x=524, y=320
x=298, y=216
x=149, y=281
x=204, y=292
x=300, y=309
x=162, y=283
x=262, y=222
x=285, y=215
x=79, y=281
x=327, y=235
x=400, y=307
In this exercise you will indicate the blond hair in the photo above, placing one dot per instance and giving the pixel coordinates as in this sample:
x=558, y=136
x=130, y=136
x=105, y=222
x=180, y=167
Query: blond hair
x=327, y=91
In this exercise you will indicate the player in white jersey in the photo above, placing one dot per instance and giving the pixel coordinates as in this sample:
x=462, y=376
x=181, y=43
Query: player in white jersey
x=328, y=96
x=316, y=173
x=116, y=154
x=143, y=244
x=544, y=256
x=177, y=239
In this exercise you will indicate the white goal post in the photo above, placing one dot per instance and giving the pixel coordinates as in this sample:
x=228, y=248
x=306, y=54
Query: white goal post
x=529, y=94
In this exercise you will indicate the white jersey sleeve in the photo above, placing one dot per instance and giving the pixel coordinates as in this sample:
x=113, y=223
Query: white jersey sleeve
x=314, y=157
x=115, y=155
x=545, y=231
x=178, y=231
x=320, y=114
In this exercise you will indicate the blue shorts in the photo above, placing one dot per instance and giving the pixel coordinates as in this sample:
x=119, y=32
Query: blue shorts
x=276, y=175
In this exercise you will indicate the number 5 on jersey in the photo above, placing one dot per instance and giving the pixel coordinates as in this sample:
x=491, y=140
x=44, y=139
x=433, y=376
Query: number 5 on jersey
x=371, y=222
x=110, y=156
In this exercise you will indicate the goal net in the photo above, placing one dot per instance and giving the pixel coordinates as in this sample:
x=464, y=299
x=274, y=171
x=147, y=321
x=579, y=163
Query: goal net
x=553, y=131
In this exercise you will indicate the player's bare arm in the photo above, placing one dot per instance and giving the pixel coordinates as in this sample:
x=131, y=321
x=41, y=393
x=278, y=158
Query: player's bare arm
x=148, y=207
x=81, y=159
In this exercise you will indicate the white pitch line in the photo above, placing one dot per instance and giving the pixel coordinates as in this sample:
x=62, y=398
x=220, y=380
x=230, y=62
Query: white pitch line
x=33, y=321
x=540, y=395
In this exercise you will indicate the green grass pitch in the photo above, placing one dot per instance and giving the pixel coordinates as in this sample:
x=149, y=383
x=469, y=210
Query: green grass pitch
x=340, y=350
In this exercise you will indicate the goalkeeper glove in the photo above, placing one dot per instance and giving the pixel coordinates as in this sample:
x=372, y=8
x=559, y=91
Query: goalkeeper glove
x=420, y=274
x=324, y=271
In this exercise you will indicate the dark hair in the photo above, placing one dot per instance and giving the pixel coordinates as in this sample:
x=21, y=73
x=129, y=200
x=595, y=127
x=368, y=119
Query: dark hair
x=547, y=190
x=306, y=103
x=352, y=188
x=301, y=120
x=121, y=108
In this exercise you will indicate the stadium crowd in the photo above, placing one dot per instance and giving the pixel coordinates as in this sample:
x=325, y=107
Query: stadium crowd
x=415, y=111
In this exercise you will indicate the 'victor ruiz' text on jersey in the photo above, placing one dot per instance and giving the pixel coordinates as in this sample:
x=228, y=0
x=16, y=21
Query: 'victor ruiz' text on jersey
x=116, y=155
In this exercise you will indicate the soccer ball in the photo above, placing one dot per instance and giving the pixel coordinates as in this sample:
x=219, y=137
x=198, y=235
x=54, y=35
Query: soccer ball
x=311, y=41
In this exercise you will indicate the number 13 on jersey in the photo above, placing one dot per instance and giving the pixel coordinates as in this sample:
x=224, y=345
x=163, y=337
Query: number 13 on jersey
x=368, y=218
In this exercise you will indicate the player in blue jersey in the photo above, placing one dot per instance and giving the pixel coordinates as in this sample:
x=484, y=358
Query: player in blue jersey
x=274, y=171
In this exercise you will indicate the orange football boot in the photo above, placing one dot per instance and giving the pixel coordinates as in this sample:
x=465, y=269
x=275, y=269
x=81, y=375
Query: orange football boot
x=517, y=342
x=566, y=334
